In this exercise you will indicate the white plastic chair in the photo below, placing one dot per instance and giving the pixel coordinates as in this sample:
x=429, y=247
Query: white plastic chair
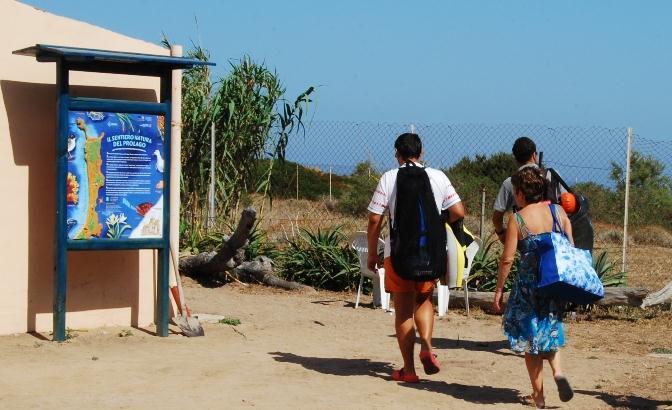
x=360, y=244
x=443, y=292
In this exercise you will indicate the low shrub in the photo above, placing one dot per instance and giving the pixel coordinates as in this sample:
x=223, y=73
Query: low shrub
x=313, y=183
x=609, y=235
x=355, y=200
x=361, y=184
x=483, y=275
x=259, y=245
x=653, y=235
x=208, y=242
x=469, y=176
x=320, y=259
x=607, y=272
x=605, y=205
x=231, y=321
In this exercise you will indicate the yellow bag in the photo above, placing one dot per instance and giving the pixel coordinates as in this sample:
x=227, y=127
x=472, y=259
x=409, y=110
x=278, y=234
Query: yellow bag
x=456, y=259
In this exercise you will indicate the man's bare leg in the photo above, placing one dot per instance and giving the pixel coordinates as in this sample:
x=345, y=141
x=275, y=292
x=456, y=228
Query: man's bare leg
x=404, y=306
x=424, y=319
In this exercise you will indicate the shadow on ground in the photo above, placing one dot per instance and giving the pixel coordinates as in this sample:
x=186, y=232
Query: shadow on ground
x=209, y=281
x=337, y=366
x=365, y=367
x=471, y=393
x=494, y=346
x=626, y=401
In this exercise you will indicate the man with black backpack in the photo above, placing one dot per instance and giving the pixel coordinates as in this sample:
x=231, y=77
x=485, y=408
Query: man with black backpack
x=415, y=252
x=525, y=152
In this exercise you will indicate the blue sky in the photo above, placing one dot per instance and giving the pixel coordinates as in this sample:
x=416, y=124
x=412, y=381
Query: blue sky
x=575, y=63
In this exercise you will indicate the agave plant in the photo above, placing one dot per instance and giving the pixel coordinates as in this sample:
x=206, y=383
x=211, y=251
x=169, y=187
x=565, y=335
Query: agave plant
x=258, y=245
x=483, y=275
x=607, y=272
x=321, y=259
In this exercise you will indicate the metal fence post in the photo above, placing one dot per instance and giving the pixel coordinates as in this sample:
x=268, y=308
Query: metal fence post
x=627, y=199
x=482, y=227
x=297, y=180
x=330, y=183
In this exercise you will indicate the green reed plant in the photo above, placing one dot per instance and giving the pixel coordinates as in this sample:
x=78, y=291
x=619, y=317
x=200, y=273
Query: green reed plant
x=252, y=120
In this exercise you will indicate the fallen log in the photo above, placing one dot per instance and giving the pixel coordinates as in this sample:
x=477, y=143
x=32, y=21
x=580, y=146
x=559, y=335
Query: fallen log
x=261, y=270
x=229, y=258
x=482, y=300
x=613, y=296
x=622, y=296
x=658, y=298
x=213, y=263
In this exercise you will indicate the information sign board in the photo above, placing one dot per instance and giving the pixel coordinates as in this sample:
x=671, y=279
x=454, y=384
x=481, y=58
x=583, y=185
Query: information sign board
x=115, y=177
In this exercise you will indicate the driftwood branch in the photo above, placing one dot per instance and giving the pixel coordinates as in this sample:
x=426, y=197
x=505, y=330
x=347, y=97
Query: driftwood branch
x=613, y=296
x=213, y=263
x=622, y=296
x=482, y=300
x=230, y=258
x=658, y=298
x=261, y=270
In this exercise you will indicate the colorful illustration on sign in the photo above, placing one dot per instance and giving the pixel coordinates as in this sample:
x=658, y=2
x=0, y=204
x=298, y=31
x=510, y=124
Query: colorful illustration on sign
x=72, y=187
x=115, y=175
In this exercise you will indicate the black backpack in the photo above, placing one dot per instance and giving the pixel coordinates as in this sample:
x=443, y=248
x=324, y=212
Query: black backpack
x=417, y=232
x=582, y=227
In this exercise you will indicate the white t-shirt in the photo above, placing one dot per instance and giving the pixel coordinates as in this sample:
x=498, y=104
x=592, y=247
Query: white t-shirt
x=384, y=196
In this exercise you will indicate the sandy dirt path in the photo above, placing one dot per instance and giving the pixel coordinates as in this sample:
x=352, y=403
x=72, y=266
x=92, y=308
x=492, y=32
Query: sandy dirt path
x=312, y=351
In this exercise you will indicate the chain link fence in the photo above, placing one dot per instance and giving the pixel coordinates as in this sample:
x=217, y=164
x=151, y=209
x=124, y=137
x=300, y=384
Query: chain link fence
x=661, y=150
x=336, y=158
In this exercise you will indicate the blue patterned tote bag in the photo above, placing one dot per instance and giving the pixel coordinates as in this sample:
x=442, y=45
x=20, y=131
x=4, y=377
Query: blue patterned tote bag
x=565, y=272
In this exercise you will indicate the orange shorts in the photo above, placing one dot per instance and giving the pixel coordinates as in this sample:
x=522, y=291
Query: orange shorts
x=395, y=284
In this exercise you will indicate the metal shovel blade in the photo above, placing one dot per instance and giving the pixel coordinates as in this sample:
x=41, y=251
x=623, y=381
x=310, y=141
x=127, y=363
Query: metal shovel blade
x=190, y=326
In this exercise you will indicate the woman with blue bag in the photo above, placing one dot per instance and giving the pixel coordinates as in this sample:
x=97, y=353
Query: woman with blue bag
x=532, y=320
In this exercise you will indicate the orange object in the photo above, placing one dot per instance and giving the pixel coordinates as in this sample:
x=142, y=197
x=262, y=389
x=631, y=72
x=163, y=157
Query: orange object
x=568, y=202
x=396, y=284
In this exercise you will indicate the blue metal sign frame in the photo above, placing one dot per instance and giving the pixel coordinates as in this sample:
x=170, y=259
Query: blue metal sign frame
x=76, y=59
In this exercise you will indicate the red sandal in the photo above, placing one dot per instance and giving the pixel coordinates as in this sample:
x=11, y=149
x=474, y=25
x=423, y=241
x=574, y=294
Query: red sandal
x=401, y=376
x=429, y=362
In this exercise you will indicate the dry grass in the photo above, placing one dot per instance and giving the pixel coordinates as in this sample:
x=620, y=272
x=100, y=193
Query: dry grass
x=284, y=217
x=647, y=235
x=653, y=235
x=649, y=266
x=608, y=234
x=631, y=334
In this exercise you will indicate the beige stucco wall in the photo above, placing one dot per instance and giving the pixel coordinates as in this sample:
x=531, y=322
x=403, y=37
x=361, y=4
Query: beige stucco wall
x=104, y=287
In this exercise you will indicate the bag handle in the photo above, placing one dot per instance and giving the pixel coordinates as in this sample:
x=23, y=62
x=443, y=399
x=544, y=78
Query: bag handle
x=556, y=223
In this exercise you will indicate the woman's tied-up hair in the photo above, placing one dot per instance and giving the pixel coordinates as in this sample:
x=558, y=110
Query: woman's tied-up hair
x=531, y=182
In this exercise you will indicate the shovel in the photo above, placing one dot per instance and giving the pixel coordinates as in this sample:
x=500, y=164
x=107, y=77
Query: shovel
x=189, y=325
